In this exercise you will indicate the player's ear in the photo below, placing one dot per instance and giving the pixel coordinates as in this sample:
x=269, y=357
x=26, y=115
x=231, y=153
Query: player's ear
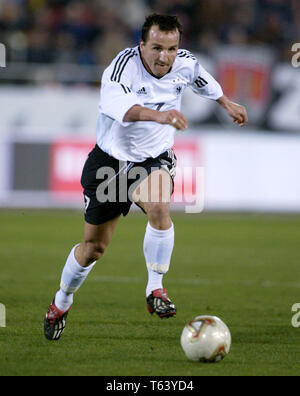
x=142, y=45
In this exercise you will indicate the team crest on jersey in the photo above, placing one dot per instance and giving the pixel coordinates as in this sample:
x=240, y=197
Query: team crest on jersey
x=180, y=84
x=179, y=89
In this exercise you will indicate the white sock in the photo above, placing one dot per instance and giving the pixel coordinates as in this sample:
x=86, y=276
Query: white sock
x=154, y=281
x=158, y=248
x=63, y=300
x=72, y=278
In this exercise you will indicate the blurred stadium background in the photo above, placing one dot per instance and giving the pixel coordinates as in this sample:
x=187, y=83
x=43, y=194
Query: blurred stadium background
x=56, y=51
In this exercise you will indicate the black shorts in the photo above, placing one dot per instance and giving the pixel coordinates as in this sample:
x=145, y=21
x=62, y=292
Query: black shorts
x=108, y=182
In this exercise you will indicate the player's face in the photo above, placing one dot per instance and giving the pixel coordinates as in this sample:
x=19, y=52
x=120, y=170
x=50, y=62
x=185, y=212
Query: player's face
x=160, y=50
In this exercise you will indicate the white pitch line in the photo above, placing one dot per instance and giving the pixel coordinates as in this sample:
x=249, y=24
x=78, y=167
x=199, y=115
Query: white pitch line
x=192, y=282
x=205, y=282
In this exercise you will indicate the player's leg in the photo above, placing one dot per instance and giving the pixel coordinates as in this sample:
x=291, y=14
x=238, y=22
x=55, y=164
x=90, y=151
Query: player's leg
x=82, y=259
x=80, y=262
x=95, y=241
x=153, y=196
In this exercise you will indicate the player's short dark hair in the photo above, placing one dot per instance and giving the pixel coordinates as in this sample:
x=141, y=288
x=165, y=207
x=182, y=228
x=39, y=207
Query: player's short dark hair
x=166, y=23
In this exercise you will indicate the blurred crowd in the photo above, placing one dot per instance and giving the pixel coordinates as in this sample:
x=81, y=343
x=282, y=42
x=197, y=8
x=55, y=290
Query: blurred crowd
x=92, y=32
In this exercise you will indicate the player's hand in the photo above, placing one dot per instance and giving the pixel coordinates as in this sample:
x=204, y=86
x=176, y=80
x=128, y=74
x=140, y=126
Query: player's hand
x=237, y=112
x=173, y=118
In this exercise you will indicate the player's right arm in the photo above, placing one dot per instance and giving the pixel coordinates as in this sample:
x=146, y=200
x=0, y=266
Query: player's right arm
x=171, y=117
x=117, y=94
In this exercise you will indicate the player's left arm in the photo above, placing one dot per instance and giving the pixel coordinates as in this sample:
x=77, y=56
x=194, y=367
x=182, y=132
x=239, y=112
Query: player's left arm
x=204, y=84
x=237, y=112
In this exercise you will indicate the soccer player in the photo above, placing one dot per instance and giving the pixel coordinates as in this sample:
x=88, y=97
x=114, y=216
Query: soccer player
x=139, y=112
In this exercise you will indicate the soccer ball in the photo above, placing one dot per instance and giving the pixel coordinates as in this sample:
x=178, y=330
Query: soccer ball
x=206, y=339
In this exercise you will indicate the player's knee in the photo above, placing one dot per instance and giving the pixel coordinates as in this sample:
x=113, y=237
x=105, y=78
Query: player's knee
x=159, y=215
x=94, y=250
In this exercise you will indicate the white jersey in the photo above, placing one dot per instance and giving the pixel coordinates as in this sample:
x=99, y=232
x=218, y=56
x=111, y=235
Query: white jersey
x=126, y=83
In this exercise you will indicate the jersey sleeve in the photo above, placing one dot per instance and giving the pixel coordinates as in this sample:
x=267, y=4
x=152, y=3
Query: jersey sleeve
x=117, y=96
x=203, y=83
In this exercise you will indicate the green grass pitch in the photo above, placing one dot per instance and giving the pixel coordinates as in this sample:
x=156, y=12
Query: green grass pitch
x=242, y=268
